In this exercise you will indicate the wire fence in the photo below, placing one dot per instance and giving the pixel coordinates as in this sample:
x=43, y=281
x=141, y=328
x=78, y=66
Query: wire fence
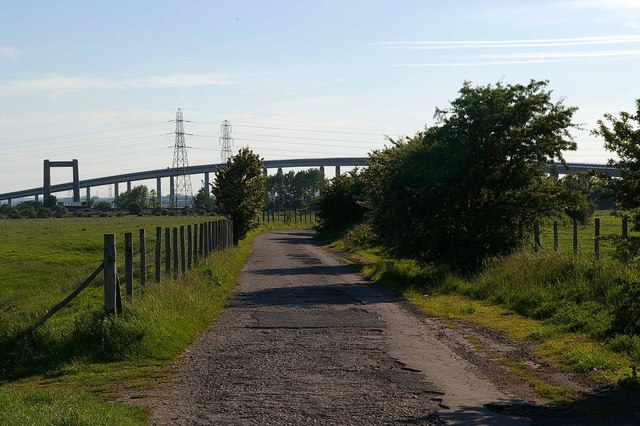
x=134, y=261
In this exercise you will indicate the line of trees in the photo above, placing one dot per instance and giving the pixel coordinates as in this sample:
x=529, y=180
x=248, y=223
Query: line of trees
x=456, y=192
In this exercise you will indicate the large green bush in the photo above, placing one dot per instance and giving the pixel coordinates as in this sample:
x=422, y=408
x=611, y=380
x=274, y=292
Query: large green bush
x=456, y=192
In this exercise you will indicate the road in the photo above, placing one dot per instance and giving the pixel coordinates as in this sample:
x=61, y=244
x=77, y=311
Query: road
x=305, y=340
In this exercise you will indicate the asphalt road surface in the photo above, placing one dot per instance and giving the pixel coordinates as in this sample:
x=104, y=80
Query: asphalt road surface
x=304, y=340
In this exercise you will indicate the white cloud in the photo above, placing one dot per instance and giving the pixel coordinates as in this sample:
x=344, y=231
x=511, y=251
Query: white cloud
x=494, y=44
x=62, y=83
x=608, y=4
x=565, y=55
x=467, y=64
x=9, y=52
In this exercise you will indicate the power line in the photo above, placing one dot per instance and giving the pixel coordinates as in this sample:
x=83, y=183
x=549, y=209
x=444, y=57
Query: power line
x=300, y=129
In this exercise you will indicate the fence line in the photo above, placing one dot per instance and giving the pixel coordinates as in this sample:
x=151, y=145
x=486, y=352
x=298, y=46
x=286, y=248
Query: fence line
x=574, y=239
x=288, y=216
x=195, y=248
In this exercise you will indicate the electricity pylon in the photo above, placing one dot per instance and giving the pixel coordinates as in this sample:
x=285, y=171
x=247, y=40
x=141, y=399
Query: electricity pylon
x=226, y=141
x=182, y=194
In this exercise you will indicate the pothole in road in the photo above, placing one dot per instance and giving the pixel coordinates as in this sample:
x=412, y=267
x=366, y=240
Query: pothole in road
x=306, y=259
x=338, y=318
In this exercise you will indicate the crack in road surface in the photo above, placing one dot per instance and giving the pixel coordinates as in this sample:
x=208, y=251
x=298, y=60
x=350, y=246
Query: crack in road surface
x=304, y=340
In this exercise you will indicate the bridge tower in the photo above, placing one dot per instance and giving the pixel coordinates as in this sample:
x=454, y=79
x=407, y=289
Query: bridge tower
x=181, y=192
x=226, y=141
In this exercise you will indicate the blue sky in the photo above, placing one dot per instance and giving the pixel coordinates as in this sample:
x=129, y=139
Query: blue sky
x=100, y=81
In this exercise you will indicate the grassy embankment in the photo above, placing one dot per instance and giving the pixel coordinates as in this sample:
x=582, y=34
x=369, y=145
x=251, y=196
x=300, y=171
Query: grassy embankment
x=582, y=313
x=74, y=367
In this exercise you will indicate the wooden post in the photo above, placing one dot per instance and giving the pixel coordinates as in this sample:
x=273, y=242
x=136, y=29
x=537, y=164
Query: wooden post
x=201, y=241
x=575, y=237
x=223, y=234
x=233, y=240
x=205, y=238
x=555, y=235
x=536, y=236
x=143, y=259
x=158, y=253
x=175, y=252
x=128, y=264
x=110, y=274
x=213, y=236
x=183, y=252
x=195, y=243
x=262, y=215
x=596, y=240
x=167, y=250
x=625, y=233
x=189, y=247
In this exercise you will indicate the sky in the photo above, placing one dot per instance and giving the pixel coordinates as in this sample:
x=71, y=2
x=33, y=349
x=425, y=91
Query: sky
x=101, y=81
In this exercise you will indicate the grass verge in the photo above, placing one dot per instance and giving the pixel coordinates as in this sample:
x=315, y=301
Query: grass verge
x=576, y=311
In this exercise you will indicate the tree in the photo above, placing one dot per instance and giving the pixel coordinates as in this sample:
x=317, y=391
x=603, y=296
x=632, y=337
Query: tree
x=455, y=193
x=134, y=201
x=203, y=200
x=339, y=203
x=239, y=189
x=294, y=190
x=623, y=139
x=307, y=185
x=50, y=201
x=583, y=195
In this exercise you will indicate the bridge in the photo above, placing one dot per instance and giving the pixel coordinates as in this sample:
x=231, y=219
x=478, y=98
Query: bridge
x=207, y=169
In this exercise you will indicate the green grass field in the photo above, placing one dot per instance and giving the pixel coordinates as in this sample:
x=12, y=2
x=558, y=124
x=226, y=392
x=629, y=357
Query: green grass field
x=74, y=369
x=609, y=225
x=43, y=260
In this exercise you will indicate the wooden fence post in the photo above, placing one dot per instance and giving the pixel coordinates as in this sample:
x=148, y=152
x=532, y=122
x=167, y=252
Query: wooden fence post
x=195, y=243
x=183, y=252
x=167, y=250
x=189, y=247
x=625, y=233
x=201, y=241
x=143, y=259
x=205, y=238
x=555, y=235
x=158, y=253
x=213, y=235
x=110, y=274
x=175, y=252
x=233, y=240
x=223, y=234
x=596, y=240
x=575, y=237
x=128, y=264
x=536, y=236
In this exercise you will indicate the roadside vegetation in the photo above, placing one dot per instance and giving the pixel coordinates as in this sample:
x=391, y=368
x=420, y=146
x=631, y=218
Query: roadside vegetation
x=84, y=366
x=445, y=217
x=76, y=368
